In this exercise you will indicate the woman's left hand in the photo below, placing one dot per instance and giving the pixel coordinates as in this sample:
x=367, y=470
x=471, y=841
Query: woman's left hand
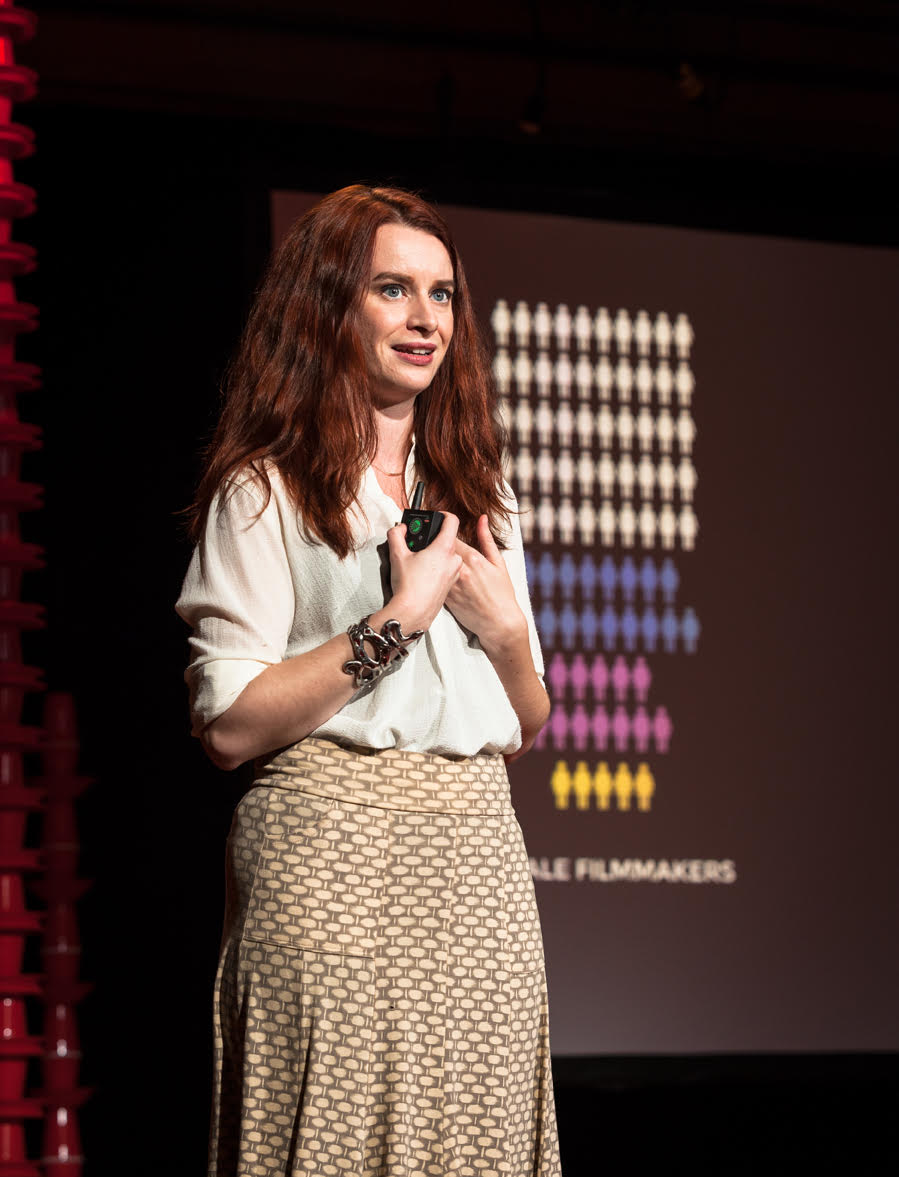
x=482, y=598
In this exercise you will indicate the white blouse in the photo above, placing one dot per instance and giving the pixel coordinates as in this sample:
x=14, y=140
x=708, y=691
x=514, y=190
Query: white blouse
x=257, y=592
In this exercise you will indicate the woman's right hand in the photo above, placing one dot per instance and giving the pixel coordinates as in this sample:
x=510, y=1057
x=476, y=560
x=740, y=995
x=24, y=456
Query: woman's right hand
x=421, y=580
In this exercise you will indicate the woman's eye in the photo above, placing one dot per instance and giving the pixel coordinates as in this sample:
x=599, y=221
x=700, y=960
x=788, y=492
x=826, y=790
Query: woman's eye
x=392, y=291
x=443, y=295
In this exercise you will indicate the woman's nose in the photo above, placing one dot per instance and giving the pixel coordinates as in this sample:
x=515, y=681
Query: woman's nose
x=422, y=316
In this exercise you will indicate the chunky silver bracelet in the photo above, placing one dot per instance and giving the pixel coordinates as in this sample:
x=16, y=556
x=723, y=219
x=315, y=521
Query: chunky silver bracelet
x=391, y=638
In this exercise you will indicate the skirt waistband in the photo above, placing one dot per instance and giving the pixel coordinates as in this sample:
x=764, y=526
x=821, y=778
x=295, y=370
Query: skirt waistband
x=392, y=778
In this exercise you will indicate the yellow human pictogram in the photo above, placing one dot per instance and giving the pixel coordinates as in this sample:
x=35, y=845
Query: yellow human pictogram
x=560, y=783
x=602, y=783
x=624, y=786
x=583, y=785
x=645, y=784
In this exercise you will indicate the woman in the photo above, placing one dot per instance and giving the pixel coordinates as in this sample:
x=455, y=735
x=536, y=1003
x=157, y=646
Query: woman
x=380, y=1003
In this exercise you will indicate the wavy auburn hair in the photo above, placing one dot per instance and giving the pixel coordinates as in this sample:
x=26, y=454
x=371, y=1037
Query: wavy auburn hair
x=296, y=394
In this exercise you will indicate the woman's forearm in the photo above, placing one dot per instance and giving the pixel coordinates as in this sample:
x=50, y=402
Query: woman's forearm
x=287, y=701
x=513, y=662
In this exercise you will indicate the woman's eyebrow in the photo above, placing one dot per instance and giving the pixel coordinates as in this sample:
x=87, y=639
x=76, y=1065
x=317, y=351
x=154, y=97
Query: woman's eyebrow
x=408, y=280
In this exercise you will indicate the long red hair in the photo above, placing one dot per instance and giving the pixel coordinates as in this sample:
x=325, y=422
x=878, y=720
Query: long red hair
x=296, y=393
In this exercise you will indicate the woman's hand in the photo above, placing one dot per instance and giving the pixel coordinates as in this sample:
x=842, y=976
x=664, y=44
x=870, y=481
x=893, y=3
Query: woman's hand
x=482, y=597
x=422, y=580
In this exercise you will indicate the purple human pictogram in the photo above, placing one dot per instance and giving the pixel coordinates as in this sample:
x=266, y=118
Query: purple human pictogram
x=621, y=728
x=580, y=727
x=546, y=574
x=568, y=623
x=669, y=580
x=642, y=729
x=608, y=578
x=627, y=578
x=599, y=677
x=558, y=722
x=558, y=676
x=547, y=623
x=567, y=576
x=621, y=678
x=641, y=677
x=589, y=626
x=609, y=628
x=649, y=625
x=662, y=729
x=578, y=676
x=630, y=629
x=670, y=630
x=587, y=573
x=600, y=725
x=690, y=628
x=649, y=580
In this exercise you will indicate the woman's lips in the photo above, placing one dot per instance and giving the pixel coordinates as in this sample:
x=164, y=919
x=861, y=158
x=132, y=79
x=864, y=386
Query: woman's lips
x=419, y=357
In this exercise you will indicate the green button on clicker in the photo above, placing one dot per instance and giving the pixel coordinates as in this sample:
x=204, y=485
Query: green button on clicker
x=415, y=526
x=411, y=543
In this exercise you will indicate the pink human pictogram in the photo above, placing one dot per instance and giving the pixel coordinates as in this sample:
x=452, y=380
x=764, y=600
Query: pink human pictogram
x=621, y=728
x=579, y=676
x=580, y=727
x=558, y=723
x=558, y=676
x=599, y=677
x=641, y=677
x=621, y=678
x=642, y=729
x=600, y=725
x=662, y=729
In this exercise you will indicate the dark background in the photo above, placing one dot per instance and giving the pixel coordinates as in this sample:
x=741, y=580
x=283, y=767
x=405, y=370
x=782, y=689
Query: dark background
x=161, y=130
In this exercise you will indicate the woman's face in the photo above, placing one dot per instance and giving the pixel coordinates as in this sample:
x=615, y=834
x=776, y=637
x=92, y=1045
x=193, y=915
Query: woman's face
x=406, y=319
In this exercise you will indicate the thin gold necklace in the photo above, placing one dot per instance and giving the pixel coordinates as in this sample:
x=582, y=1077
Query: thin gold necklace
x=399, y=473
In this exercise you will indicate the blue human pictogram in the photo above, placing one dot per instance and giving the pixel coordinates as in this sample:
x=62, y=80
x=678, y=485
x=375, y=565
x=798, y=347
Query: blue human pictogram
x=649, y=580
x=669, y=579
x=547, y=623
x=609, y=628
x=567, y=576
x=546, y=574
x=630, y=628
x=589, y=626
x=649, y=624
x=588, y=576
x=627, y=578
x=690, y=628
x=670, y=630
x=568, y=624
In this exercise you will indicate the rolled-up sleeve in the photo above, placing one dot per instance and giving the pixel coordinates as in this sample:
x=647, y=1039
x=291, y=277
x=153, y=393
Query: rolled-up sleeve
x=238, y=599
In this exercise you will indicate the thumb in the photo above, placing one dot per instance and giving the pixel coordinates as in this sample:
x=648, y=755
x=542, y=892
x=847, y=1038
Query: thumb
x=487, y=542
x=396, y=542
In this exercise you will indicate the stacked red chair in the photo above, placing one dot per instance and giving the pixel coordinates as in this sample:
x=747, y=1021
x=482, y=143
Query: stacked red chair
x=20, y=990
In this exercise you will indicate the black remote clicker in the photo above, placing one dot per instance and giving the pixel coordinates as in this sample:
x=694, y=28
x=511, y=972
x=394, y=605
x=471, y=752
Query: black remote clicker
x=421, y=525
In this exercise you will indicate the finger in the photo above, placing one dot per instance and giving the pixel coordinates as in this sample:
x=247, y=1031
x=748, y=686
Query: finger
x=465, y=550
x=449, y=528
x=396, y=541
x=487, y=542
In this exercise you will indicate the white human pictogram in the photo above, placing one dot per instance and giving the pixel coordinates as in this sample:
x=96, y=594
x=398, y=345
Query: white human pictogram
x=647, y=524
x=543, y=374
x=683, y=336
x=686, y=479
x=545, y=470
x=646, y=474
x=665, y=478
x=688, y=525
x=564, y=374
x=526, y=518
x=583, y=377
x=665, y=431
x=544, y=422
x=605, y=377
x=608, y=521
x=644, y=381
x=667, y=526
x=543, y=325
x=646, y=430
x=664, y=383
x=606, y=474
x=627, y=475
x=586, y=522
x=565, y=423
x=524, y=422
x=583, y=328
x=521, y=322
x=602, y=329
x=684, y=383
x=562, y=327
x=642, y=333
x=524, y=371
x=627, y=524
x=686, y=432
x=605, y=426
x=625, y=426
x=624, y=378
x=567, y=521
x=586, y=472
x=662, y=333
x=524, y=470
x=502, y=371
x=501, y=322
x=565, y=471
x=546, y=520
x=623, y=331
x=583, y=423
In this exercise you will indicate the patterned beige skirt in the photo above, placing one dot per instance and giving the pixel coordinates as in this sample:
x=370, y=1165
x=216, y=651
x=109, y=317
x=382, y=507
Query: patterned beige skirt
x=380, y=1002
